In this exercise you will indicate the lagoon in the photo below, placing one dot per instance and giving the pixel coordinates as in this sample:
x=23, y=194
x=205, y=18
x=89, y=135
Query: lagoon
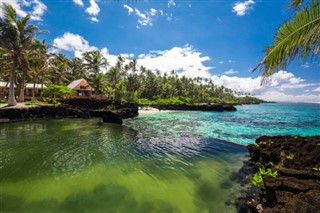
x=163, y=162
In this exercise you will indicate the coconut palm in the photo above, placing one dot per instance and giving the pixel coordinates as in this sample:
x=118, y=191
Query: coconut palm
x=16, y=37
x=59, y=69
x=78, y=70
x=94, y=61
x=38, y=64
x=297, y=37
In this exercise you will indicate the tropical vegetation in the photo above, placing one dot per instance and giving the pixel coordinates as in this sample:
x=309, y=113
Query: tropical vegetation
x=25, y=59
x=298, y=37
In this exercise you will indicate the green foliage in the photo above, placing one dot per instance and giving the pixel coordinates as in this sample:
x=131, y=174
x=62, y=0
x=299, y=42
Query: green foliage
x=3, y=101
x=257, y=178
x=316, y=169
x=161, y=101
x=57, y=91
x=297, y=37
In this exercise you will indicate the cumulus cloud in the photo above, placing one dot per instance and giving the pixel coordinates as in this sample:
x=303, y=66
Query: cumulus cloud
x=72, y=43
x=33, y=7
x=93, y=10
x=171, y=3
x=230, y=72
x=283, y=86
x=78, y=2
x=144, y=18
x=242, y=8
x=185, y=60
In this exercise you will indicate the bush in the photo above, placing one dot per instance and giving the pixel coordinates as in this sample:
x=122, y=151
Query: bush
x=57, y=91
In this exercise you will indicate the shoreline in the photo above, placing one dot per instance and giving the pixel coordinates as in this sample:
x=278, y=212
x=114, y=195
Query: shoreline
x=296, y=186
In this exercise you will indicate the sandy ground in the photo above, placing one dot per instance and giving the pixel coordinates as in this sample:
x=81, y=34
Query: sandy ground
x=148, y=110
x=19, y=105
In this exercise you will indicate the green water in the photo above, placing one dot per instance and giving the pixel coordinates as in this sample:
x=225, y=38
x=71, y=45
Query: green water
x=165, y=162
x=77, y=165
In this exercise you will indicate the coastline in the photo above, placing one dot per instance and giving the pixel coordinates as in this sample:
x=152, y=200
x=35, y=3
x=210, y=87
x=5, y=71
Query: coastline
x=296, y=186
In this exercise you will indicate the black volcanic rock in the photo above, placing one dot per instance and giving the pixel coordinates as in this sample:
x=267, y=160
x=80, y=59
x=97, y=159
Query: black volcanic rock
x=297, y=186
x=200, y=107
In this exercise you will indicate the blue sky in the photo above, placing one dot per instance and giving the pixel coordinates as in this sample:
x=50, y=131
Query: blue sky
x=218, y=39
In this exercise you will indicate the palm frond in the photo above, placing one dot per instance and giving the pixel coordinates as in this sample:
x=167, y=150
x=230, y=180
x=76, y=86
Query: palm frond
x=296, y=3
x=298, y=37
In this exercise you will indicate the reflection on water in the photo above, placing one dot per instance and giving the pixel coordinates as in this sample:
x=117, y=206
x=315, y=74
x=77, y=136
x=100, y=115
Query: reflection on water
x=75, y=165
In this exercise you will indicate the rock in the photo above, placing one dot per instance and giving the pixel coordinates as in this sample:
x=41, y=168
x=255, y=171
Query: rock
x=112, y=117
x=229, y=108
x=297, y=186
x=199, y=107
x=115, y=116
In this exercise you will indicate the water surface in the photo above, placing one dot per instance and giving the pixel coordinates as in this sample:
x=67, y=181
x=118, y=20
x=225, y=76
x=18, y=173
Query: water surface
x=165, y=162
x=77, y=165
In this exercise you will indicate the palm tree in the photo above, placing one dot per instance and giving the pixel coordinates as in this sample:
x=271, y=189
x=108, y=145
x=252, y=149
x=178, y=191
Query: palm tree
x=297, y=37
x=94, y=61
x=78, y=70
x=15, y=40
x=38, y=64
x=59, y=69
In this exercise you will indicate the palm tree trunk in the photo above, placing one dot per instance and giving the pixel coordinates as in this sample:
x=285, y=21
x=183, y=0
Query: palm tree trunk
x=34, y=87
x=21, y=96
x=12, y=100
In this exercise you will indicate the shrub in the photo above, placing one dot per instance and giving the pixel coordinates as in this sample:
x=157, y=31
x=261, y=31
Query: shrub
x=57, y=91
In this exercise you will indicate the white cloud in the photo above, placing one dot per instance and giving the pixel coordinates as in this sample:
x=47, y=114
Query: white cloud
x=78, y=2
x=161, y=12
x=171, y=3
x=283, y=87
x=130, y=10
x=144, y=18
x=242, y=8
x=185, y=60
x=38, y=10
x=94, y=19
x=230, y=72
x=94, y=8
x=169, y=17
x=316, y=89
x=153, y=12
x=72, y=43
x=33, y=7
x=221, y=62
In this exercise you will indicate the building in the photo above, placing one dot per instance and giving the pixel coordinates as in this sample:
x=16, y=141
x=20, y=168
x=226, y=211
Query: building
x=82, y=88
x=38, y=88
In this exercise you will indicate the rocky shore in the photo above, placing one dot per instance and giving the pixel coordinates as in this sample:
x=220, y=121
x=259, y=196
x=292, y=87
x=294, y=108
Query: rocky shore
x=64, y=111
x=202, y=107
x=296, y=188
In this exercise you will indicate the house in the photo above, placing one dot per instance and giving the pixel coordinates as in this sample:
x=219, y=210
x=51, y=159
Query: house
x=38, y=88
x=82, y=88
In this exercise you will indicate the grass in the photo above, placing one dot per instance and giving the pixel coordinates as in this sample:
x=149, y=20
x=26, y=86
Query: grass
x=38, y=103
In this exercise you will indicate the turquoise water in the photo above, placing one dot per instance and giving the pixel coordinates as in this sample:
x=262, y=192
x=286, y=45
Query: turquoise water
x=165, y=162
x=242, y=126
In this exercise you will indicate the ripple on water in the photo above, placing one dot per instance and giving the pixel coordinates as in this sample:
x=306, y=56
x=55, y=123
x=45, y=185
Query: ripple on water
x=73, y=166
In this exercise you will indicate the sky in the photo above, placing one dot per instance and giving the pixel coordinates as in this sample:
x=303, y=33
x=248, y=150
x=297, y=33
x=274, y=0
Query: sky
x=217, y=39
